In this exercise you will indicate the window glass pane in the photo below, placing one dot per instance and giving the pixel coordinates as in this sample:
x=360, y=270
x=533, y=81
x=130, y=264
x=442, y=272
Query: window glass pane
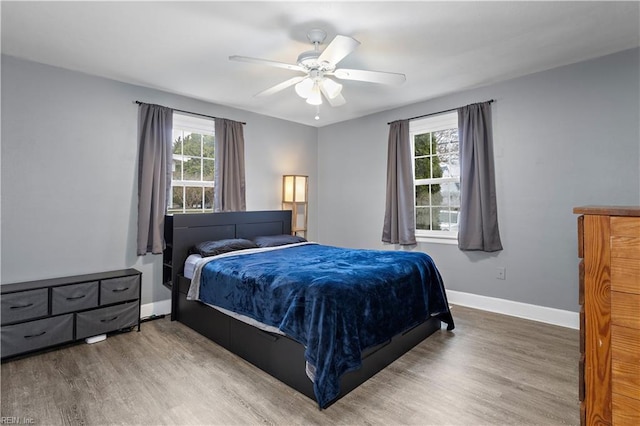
x=435, y=218
x=423, y=218
x=436, y=170
x=436, y=195
x=422, y=195
x=177, y=141
x=208, y=198
x=193, y=144
x=451, y=194
x=207, y=170
x=448, y=219
x=192, y=169
x=423, y=168
x=177, y=198
x=207, y=142
x=177, y=155
x=176, y=165
x=422, y=144
x=193, y=198
x=446, y=140
x=447, y=149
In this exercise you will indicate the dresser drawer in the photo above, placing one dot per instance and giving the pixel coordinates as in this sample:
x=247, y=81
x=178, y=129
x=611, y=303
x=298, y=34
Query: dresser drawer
x=625, y=226
x=625, y=411
x=119, y=289
x=104, y=320
x=625, y=309
x=625, y=275
x=626, y=378
x=625, y=344
x=36, y=334
x=25, y=305
x=625, y=248
x=76, y=297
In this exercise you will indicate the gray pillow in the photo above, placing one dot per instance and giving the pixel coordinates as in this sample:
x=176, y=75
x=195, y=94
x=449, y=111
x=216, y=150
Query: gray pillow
x=213, y=248
x=277, y=240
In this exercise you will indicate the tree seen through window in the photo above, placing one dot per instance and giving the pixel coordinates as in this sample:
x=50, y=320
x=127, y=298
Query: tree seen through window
x=436, y=176
x=192, y=183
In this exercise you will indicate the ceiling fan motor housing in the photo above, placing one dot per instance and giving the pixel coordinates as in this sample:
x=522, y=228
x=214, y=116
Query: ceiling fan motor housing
x=309, y=61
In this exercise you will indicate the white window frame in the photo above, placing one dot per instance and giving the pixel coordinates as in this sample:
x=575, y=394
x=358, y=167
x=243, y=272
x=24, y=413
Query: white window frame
x=202, y=126
x=430, y=124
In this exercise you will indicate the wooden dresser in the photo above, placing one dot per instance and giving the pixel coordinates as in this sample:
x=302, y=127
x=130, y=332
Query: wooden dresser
x=609, y=245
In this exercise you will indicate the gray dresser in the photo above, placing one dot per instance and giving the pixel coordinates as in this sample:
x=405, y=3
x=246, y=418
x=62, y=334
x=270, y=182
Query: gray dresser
x=40, y=314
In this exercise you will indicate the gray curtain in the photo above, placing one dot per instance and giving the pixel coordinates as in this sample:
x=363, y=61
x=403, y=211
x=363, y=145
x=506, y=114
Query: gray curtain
x=155, y=126
x=478, y=222
x=399, y=217
x=229, y=190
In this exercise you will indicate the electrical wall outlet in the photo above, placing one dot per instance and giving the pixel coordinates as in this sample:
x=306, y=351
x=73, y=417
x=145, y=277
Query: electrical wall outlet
x=501, y=273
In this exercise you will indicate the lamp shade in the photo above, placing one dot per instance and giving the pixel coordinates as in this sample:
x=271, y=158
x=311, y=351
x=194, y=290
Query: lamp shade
x=303, y=89
x=294, y=189
x=331, y=88
x=315, y=98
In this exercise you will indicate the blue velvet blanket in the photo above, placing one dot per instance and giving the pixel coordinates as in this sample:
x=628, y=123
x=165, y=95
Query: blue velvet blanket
x=337, y=302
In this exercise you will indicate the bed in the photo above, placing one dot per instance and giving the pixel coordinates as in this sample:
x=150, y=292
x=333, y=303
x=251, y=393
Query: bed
x=308, y=323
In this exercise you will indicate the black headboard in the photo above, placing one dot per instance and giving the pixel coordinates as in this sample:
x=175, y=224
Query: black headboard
x=183, y=231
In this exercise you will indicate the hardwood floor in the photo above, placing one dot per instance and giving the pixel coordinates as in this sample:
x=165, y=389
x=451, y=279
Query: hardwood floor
x=491, y=370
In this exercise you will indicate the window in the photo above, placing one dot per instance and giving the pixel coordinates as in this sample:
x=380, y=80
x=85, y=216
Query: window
x=436, y=175
x=192, y=166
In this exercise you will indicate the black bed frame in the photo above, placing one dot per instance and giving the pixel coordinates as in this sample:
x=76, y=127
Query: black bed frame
x=278, y=355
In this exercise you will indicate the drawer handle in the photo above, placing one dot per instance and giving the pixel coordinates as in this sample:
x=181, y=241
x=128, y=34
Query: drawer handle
x=21, y=306
x=110, y=319
x=120, y=290
x=76, y=297
x=31, y=336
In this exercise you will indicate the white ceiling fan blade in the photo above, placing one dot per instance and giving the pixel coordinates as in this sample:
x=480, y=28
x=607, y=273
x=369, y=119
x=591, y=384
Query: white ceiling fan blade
x=266, y=62
x=281, y=86
x=339, y=47
x=380, y=77
x=338, y=100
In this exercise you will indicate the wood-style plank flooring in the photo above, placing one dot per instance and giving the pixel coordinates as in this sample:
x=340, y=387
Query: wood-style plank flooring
x=491, y=370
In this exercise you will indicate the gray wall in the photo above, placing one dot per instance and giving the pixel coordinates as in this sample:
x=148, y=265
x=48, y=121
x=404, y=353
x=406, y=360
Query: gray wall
x=69, y=171
x=563, y=138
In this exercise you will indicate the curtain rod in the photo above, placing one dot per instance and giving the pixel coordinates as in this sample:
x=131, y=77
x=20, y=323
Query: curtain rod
x=189, y=112
x=440, y=112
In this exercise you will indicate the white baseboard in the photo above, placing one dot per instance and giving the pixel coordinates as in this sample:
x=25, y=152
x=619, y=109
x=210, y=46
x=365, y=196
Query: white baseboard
x=516, y=309
x=161, y=307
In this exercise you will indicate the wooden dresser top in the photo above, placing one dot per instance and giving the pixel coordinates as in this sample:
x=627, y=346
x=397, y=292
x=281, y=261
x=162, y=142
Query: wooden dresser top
x=608, y=210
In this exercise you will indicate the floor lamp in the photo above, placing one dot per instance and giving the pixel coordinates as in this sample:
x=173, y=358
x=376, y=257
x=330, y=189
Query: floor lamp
x=294, y=197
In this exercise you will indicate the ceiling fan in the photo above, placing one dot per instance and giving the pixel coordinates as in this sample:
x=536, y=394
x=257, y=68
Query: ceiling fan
x=318, y=66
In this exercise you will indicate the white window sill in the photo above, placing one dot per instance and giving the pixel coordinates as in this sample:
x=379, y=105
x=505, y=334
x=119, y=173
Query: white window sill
x=453, y=240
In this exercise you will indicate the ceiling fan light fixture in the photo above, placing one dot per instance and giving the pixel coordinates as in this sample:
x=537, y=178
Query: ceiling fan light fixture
x=331, y=88
x=304, y=88
x=316, y=65
x=315, y=98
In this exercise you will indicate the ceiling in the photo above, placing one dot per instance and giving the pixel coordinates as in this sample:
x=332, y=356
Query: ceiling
x=442, y=47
